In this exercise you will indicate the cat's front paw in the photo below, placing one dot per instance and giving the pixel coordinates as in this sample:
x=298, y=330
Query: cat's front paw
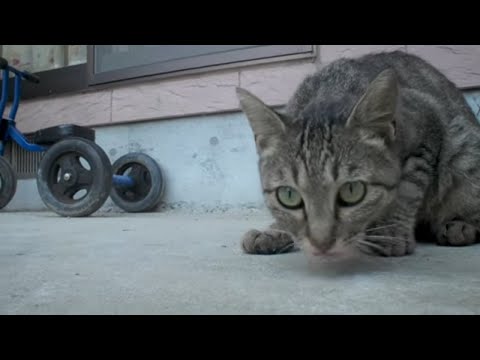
x=457, y=233
x=267, y=242
x=390, y=240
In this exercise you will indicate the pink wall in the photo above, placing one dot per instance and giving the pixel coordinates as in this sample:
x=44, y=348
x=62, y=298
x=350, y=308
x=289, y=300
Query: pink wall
x=461, y=63
x=213, y=92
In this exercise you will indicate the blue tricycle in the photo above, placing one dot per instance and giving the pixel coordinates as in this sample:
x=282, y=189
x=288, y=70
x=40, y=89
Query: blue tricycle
x=74, y=176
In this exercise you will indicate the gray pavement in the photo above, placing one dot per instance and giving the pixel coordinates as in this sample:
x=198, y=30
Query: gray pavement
x=190, y=263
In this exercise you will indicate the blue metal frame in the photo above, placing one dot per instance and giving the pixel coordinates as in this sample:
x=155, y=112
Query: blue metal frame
x=12, y=133
x=18, y=137
x=123, y=180
x=11, y=130
x=4, y=98
x=16, y=97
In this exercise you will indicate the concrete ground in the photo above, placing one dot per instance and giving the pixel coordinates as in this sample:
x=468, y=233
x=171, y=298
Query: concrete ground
x=187, y=263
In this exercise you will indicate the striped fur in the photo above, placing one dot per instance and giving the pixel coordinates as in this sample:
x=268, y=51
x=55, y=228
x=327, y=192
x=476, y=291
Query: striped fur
x=389, y=120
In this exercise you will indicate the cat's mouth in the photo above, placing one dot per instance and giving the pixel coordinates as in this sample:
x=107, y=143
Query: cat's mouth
x=330, y=251
x=338, y=249
x=326, y=254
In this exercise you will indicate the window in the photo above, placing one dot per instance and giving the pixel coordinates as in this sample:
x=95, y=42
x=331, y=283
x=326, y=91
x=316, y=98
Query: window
x=61, y=68
x=69, y=68
x=35, y=58
x=120, y=62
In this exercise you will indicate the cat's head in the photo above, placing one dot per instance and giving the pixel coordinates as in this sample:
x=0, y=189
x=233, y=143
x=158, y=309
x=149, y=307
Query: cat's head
x=329, y=174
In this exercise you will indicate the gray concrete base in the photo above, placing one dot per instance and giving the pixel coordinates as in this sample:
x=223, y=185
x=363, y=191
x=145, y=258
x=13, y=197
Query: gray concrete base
x=191, y=263
x=208, y=162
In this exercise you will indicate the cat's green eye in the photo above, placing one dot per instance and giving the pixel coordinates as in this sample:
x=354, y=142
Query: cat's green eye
x=352, y=193
x=289, y=197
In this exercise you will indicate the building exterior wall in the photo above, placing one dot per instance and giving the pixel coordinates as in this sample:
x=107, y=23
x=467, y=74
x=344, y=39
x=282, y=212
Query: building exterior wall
x=209, y=162
x=214, y=92
x=192, y=125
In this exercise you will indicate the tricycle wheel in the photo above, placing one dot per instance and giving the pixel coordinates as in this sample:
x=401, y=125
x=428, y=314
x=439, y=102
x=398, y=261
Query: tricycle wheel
x=74, y=177
x=8, y=182
x=148, y=187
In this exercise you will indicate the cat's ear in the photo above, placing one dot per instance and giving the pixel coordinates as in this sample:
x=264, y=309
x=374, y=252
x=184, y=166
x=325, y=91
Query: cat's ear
x=376, y=108
x=267, y=124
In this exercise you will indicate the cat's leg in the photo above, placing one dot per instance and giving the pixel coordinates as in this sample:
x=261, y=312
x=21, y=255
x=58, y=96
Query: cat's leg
x=457, y=233
x=394, y=233
x=274, y=240
x=457, y=221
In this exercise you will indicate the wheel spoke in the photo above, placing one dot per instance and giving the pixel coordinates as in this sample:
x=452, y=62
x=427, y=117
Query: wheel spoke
x=85, y=177
x=68, y=161
x=136, y=172
x=140, y=175
x=59, y=189
x=72, y=190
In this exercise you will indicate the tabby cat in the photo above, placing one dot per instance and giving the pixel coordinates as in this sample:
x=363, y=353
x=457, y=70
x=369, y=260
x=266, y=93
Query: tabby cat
x=367, y=152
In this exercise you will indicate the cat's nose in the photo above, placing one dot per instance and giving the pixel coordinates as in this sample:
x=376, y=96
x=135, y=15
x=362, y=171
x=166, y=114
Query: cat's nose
x=320, y=236
x=321, y=243
x=321, y=246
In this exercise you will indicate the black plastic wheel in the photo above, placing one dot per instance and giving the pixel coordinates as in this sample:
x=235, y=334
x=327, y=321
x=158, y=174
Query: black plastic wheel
x=74, y=177
x=149, y=185
x=8, y=182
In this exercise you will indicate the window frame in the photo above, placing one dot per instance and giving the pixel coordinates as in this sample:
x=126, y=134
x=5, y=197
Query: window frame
x=65, y=80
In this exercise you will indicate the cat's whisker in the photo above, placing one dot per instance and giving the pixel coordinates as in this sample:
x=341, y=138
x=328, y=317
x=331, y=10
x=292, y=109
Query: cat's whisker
x=382, y=236
x=380, y=227
x=351, y=239
x=370, y=245
x=466, y=177
x=390, y=239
